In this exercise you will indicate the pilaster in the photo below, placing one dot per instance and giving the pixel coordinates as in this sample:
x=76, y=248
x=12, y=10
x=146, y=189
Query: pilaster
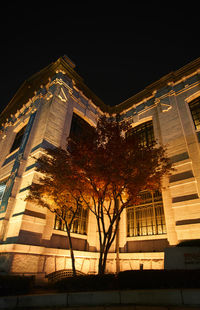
x=163, y=120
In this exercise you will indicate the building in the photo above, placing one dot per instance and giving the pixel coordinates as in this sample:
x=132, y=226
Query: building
x=44, y=110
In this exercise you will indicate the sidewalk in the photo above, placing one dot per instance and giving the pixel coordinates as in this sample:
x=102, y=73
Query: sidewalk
x=166, y=299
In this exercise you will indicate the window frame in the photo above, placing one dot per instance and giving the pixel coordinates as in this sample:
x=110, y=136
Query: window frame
x=145, y=132
x=79, y=127
x=196, y=121
x=59, y=225
x=3, y=184
x=18, y=139
x=153, y=206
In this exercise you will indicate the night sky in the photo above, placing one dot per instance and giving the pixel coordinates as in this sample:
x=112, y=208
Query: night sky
x=117, y=50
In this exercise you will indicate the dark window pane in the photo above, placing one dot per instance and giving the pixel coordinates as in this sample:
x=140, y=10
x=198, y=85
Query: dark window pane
x=144, y=133
x=18, y=139
x=2, y=188
x=79, y=127
x=195, y=111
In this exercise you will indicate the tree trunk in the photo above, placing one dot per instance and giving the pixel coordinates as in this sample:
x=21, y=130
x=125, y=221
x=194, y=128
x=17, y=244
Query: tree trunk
x=109, y=238
x=117, y=251
x=71, y=251
x=103, y=256
x=103, y=267
x=117, y=241
x=100, y=263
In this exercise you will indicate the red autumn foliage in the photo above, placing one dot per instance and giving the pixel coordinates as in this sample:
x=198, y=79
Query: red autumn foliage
x=104, y=171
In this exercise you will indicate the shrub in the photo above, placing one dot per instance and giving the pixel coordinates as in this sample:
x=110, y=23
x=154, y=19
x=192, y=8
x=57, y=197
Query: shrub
x=13, y=285
x=87, y=283
x=132, y=279
x=158, y=279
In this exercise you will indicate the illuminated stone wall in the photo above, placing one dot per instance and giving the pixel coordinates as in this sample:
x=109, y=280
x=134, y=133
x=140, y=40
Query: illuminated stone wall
x=29, y=242
x=173, y=126
x=30, y=260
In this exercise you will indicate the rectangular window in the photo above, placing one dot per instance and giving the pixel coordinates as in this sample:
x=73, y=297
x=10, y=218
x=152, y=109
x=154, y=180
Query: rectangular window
x=18, y=139
x=195, y=111
x=2, y=188
x=144, y=133
x=148, y=218
x=79, y=127
x=79, y=225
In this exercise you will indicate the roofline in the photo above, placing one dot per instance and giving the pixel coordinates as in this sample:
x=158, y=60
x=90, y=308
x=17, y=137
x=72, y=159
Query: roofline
x=32, y=84
x=170, y=78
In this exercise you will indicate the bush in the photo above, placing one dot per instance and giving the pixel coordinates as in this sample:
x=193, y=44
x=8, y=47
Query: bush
x=87, y=283
x=132, y=279
x=14, y=285
x=158, y=279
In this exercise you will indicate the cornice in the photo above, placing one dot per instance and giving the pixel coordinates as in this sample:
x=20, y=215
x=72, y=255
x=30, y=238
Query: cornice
x=31, y=86
x=43, y=77
x=169, y=79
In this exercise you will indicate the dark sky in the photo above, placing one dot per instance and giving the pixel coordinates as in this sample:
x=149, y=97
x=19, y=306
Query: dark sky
x=118, y=51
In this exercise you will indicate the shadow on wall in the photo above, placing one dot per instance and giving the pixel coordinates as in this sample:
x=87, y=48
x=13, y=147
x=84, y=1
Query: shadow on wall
x=5, y=262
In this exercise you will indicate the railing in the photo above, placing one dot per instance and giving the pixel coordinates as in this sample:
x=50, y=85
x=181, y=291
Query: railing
x=61, y=274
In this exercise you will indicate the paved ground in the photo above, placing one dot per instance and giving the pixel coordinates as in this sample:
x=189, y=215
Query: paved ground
x=174, y=299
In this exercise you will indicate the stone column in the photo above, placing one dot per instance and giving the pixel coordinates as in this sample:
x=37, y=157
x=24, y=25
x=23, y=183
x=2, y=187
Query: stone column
x=163, y=117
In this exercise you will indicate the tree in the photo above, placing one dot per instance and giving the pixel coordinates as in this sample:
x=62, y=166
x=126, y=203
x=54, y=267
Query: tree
x=51, y=191
x=112, y=168
x=104, y=172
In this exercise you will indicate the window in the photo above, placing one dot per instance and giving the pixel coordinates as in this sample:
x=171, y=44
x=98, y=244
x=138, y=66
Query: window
x=18, y=139
x=2, y=188
x=79, y=127
x=79, y=225
x=148, y=218
x=195, y=111
x=144, y=133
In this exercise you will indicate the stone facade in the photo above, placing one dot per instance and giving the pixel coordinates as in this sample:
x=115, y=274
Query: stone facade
x=45, y=104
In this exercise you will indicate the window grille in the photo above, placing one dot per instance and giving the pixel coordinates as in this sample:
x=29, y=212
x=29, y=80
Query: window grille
x=148, y=218
x=144, y=133
x=62, y=274
x=195, y=111
x=79, y=225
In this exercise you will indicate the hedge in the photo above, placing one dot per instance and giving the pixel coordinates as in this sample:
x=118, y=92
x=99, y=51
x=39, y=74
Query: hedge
x=14, y=285
x=87, y=283
x=132, y=279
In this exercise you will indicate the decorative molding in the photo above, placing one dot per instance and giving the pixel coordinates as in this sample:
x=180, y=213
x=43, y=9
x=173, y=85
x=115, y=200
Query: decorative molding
x=165, y=107
x=62, y=96
x=193, y=96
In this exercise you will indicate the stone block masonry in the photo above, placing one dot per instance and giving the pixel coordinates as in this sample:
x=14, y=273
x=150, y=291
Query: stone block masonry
x=30, y=243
